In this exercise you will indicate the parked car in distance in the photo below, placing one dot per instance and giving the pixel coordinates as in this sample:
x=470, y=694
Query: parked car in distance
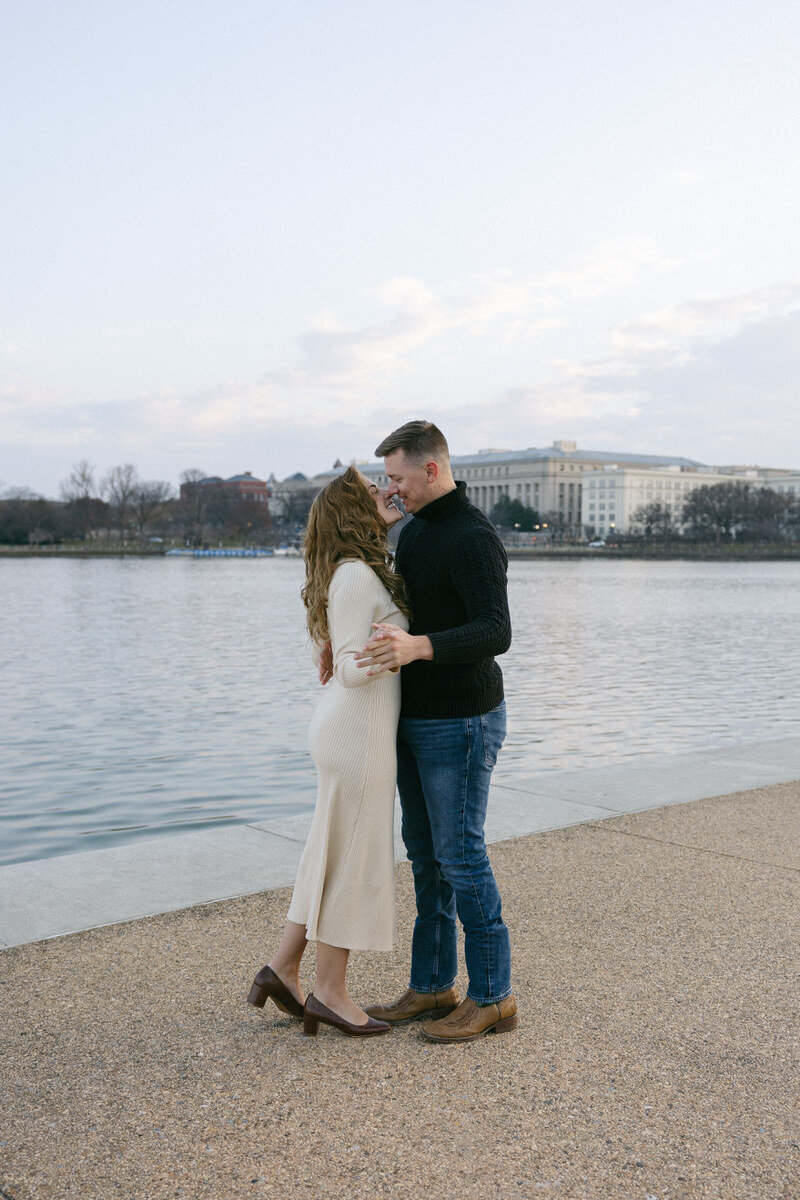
x=596, y=545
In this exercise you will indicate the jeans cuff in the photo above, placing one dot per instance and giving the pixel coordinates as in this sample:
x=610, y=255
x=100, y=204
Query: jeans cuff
x=490, y=999
x=430, y=991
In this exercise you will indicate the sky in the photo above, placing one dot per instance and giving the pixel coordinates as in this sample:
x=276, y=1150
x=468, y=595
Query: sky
x=258, y=236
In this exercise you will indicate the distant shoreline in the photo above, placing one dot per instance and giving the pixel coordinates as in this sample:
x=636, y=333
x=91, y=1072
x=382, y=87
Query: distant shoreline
x=515, y=553
x=660, y=553
x=70, y=552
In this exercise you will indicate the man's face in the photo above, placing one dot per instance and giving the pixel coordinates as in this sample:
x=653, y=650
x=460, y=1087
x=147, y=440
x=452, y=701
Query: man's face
x=412, y=482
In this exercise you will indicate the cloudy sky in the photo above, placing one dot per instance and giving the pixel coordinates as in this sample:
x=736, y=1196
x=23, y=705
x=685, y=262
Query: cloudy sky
x=257, y=236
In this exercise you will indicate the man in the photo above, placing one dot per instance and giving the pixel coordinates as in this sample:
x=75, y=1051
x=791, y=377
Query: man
x=452, y=726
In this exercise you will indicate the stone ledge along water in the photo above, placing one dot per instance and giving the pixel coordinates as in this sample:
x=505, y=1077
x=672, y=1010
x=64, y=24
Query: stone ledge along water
x=60, y=895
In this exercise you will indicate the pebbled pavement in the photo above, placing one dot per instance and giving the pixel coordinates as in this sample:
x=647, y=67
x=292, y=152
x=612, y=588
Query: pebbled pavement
x=656, y=1057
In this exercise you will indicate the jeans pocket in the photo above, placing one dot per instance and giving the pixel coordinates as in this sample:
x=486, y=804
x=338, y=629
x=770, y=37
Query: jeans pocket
x=493, y=731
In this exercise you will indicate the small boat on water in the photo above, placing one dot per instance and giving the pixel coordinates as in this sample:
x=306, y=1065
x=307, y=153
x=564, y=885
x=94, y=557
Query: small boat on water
x=242, y=552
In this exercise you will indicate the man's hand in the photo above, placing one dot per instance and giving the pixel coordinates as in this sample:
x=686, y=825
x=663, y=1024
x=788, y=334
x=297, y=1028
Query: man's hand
x=326, y=664
x=390, y=648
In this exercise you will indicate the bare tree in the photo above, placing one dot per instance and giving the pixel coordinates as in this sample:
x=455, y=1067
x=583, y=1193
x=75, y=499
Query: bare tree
x=296, y=507
x=654, y=518
x=771, y=517
x=79, y=484
x=718, y=510
x=18, y=493
x=85, y=511
x=195, y=497
x=119, y=487
x=148, y=503
x=248, y=519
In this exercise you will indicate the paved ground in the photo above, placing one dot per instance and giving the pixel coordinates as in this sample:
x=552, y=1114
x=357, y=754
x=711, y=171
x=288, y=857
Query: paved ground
x=657, y=1055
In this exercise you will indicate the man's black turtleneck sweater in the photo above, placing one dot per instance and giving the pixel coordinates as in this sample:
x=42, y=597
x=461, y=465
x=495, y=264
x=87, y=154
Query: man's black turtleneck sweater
x=454, y=566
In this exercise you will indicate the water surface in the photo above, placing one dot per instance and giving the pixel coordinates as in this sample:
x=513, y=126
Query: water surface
x=152, y=696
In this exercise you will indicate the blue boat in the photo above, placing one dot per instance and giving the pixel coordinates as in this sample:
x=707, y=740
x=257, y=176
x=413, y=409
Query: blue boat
x=255, y=552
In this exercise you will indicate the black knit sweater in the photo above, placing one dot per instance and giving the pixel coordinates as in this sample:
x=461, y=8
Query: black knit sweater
x=455, y=567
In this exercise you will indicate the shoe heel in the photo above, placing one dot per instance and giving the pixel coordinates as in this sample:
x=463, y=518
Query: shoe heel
x=310, y=1025
x=258, y=996
x=505, y=1026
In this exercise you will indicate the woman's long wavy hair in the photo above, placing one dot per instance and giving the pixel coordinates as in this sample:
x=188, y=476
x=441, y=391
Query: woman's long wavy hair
x=344, y=523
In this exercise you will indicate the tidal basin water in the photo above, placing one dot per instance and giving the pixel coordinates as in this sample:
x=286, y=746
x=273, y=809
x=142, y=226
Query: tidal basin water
x=147, y=697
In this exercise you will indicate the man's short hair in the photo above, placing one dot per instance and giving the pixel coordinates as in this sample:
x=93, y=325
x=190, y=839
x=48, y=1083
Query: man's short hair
x=420, y=441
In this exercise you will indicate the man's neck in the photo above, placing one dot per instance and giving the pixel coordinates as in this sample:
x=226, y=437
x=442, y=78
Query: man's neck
x=443, y=486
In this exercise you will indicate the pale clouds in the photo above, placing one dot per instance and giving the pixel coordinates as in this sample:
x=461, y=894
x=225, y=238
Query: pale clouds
x=687, y=378
x=703, y=378
x=708, y=318
x=687, y=177
x=500, y=305
x=666, y=374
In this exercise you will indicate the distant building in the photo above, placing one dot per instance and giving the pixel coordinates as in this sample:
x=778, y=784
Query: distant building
x=547, y=480
x=601, y=489
x=248, y=487
x=612, y=497
x=787, y=483
x=244, y=486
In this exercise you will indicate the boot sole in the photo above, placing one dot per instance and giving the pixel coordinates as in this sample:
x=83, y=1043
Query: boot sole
x=428, y=1012
x=499, y=1027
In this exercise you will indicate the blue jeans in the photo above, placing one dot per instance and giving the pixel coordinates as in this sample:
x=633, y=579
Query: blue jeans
x=443, y=773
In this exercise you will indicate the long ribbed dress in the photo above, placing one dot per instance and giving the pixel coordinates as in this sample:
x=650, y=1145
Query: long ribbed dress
x=344, y=893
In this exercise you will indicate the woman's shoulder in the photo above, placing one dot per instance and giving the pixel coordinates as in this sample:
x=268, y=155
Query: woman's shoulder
x=353, y=571
x=353, y=567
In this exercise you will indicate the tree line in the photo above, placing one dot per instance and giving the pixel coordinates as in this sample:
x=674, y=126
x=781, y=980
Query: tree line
x=723, y=513
x=718, y=513
x=120, y=507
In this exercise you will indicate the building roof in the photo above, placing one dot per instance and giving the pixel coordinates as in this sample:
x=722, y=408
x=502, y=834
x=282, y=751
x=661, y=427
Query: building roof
x=600, y=456
x=534, y=454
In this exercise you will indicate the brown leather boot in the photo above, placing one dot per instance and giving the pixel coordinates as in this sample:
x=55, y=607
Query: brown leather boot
x=470, y=1021
x=414, y=1004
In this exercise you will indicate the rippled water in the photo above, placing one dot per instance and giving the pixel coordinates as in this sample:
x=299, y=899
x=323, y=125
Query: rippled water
x=143, y=696
x=616, y=659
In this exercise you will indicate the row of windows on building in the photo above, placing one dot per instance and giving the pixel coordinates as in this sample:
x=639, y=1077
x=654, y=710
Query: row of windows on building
x=499, y=472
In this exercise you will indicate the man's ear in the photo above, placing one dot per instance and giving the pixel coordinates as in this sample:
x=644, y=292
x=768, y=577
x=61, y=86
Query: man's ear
x=432, y=471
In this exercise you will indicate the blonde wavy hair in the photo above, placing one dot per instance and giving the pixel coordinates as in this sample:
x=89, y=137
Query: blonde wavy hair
x=344, y=523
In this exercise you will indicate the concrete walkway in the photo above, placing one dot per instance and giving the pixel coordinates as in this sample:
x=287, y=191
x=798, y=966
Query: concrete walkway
x=62, y=895
x=655, y=966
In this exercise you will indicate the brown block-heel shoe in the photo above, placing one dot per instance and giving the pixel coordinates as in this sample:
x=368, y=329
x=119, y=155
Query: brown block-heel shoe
x=470, y=1021
x=316, y=1012
x=267, y=984
x=412, y=1005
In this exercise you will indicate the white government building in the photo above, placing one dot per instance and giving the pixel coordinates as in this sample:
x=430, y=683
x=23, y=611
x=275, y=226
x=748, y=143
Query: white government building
x=587, y=489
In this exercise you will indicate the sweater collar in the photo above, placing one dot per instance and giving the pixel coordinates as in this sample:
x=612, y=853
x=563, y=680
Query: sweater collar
x=444, y=506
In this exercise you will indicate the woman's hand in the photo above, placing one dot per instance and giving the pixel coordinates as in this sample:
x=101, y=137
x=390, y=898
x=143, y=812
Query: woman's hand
x=391, y=647
x=326, y=664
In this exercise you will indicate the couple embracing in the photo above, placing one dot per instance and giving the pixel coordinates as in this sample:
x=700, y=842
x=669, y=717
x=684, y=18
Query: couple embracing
x=415, y=700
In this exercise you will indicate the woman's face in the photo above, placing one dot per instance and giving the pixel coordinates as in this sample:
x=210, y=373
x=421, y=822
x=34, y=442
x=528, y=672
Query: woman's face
x=386, y=510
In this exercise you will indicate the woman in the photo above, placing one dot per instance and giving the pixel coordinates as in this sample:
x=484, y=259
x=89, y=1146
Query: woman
x=344, y=894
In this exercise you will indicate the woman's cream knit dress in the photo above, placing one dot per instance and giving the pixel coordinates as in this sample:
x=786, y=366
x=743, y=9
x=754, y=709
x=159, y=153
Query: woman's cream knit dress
x=344, y=893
